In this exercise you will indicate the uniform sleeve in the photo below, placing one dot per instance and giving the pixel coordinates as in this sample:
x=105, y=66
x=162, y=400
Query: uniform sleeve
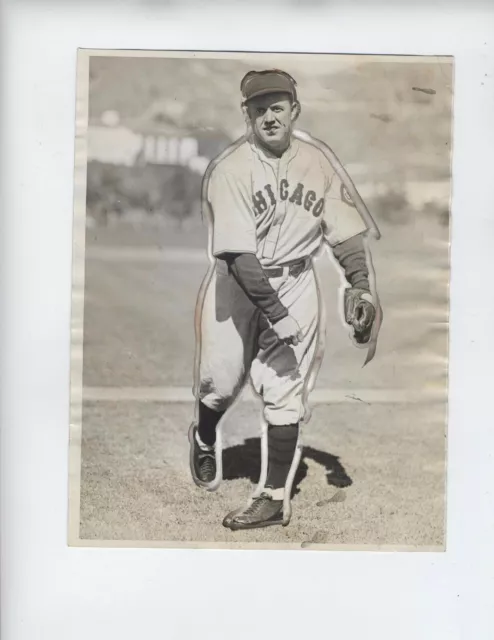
x=341, y=218
x=352, y=259
x=234, y=228
x=248, y=272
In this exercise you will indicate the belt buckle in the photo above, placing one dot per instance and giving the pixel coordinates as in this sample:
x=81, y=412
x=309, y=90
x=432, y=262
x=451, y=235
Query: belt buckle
x=274, y=272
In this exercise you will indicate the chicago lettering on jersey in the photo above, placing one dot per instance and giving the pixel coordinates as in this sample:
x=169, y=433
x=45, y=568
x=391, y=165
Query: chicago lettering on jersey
x=297, y=194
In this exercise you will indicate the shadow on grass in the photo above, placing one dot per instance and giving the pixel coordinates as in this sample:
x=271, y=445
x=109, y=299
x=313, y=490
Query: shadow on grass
x=244, y=461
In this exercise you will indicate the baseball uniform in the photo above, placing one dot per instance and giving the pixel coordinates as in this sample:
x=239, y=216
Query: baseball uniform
x=281, y=210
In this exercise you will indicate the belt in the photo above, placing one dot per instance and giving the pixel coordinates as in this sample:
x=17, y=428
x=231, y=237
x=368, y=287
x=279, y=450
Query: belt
x=293, y=269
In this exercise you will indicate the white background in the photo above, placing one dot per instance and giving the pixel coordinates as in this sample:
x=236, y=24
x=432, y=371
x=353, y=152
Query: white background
x=53, y=592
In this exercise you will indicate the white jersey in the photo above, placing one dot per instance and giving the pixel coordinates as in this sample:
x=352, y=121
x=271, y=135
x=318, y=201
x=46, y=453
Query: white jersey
x=280, y=209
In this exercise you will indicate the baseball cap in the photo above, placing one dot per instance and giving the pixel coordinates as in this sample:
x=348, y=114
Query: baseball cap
x=260, y=83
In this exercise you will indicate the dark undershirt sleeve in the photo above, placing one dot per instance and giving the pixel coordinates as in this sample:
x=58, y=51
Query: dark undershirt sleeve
x=351, y=256
x=248, y=272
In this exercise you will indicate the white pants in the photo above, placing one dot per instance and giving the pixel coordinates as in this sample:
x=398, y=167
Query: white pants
x=237, y=339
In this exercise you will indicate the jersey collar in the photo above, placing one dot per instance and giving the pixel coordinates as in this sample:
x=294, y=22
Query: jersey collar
x=265, y=156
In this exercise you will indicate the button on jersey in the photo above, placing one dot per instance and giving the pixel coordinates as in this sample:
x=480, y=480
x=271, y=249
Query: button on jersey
x=281, y=209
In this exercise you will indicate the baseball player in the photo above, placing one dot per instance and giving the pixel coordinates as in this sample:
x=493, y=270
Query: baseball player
x=275, y=197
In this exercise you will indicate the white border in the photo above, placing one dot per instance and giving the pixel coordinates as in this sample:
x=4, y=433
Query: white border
x=51, y=591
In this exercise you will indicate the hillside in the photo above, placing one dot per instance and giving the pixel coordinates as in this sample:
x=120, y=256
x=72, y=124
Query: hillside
x=371, y=112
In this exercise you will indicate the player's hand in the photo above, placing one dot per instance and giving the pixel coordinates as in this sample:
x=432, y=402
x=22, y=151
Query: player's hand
x=288, y=330
x=360, y=313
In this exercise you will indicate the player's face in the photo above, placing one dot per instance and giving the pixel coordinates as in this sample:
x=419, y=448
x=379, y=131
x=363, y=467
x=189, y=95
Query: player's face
x=272, y=117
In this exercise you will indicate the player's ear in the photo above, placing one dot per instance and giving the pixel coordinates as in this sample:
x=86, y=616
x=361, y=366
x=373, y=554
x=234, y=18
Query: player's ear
x=245, y=112
x=296, y=109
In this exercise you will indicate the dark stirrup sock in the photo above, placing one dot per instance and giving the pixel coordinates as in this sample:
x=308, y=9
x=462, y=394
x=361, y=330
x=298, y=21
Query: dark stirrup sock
x=208, y=421
x=282, y=442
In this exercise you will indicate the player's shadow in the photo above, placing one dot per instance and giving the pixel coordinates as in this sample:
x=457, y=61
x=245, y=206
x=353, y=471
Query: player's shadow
x=244, y=461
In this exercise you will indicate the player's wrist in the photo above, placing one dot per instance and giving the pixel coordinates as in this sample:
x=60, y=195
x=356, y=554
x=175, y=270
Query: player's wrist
x=360, y=282
x=361, y=293
x=278, y=315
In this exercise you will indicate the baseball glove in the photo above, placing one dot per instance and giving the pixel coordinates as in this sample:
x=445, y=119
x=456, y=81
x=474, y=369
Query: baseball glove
x=360, y=313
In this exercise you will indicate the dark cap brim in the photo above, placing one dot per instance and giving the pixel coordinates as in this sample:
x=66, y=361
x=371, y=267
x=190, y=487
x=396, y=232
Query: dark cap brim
x=267, y=91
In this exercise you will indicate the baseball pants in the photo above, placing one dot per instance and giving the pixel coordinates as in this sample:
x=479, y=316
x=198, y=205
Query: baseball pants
x=238, y=341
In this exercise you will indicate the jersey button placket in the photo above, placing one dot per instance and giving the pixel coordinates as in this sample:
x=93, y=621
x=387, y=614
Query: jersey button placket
x=279, y=214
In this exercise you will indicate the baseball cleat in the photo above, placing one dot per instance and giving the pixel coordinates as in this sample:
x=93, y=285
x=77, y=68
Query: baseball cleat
x=227, y=520
x=263, y=511
x=202, y=462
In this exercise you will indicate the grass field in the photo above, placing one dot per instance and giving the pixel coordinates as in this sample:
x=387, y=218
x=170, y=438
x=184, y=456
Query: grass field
x=373, y=471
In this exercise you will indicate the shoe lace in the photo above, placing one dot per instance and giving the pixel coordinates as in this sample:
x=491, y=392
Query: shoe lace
x=257, y=504
x=207, y=463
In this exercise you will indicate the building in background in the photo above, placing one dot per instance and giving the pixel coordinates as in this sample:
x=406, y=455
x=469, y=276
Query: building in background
x=142, y=141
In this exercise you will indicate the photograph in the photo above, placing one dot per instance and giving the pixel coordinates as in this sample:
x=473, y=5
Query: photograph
x=260, y=300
